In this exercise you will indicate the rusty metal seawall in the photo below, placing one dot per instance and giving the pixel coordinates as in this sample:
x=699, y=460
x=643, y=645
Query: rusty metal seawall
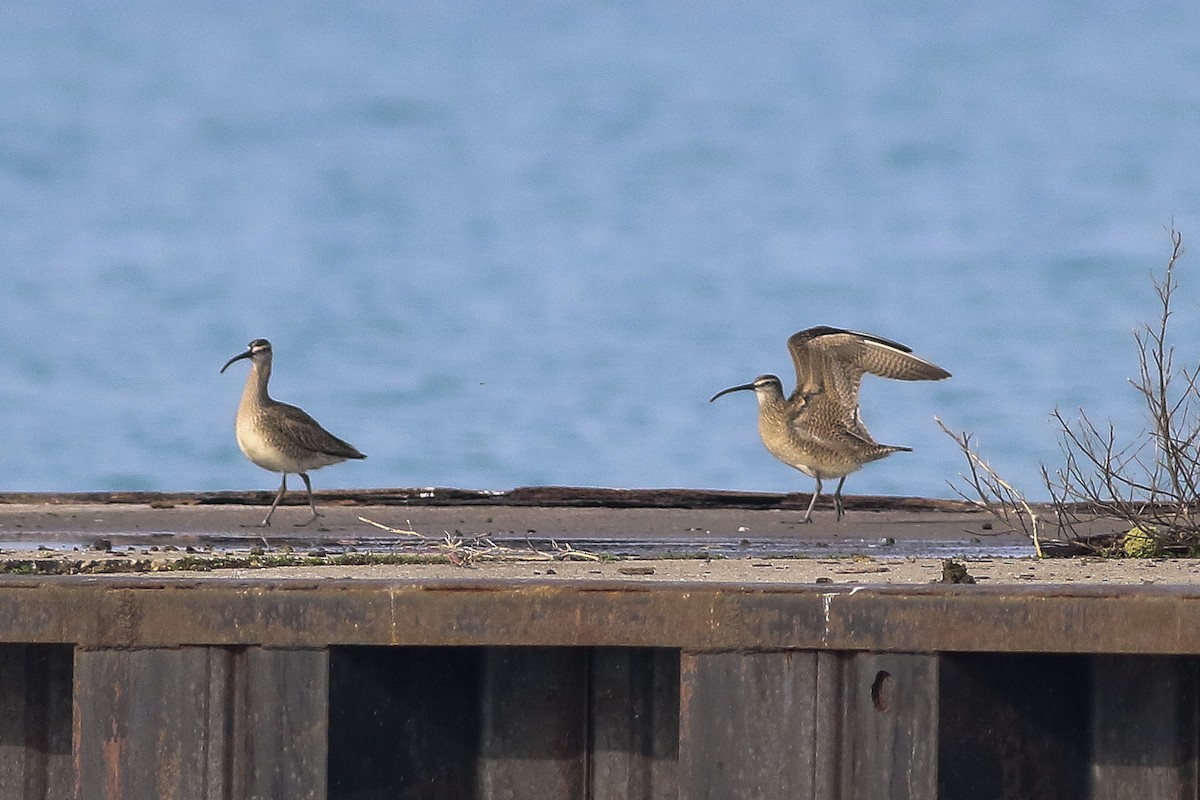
x=138, y=687
x=551, y=687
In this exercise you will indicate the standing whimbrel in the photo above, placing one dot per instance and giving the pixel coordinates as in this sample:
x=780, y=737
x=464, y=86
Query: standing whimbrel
x=818, y=430
x=280, y=437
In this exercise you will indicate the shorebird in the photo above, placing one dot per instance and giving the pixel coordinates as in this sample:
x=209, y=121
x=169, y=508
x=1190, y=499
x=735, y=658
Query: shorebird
x=280, y=437
x=818, y=429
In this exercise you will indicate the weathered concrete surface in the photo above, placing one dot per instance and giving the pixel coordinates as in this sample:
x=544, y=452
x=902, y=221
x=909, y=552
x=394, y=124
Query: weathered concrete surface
x=865, y=571
x=640, y=523
x=708, y=536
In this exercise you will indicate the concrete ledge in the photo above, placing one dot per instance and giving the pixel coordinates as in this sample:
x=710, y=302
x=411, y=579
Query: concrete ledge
x=114, y=611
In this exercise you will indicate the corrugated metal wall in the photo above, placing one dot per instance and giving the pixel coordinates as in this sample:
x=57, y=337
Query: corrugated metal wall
x=592, y=722
x=107, y=716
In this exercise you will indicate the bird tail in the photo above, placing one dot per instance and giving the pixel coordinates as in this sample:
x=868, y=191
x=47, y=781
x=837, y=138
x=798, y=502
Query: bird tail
x=884, y=450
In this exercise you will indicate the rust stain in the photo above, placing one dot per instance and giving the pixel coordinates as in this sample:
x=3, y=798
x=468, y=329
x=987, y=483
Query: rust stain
x=113, y=751
x=76, y=742
x=687, y=684
x=168, y=768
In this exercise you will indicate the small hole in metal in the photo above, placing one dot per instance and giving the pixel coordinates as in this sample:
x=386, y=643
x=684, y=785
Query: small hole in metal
x=881, y=691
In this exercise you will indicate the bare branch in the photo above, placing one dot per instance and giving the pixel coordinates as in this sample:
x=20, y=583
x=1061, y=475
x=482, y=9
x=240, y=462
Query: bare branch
x=996, y=495
x=1149, y=483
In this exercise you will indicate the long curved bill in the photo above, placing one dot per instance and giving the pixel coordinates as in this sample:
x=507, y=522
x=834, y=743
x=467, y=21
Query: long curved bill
x=742, y=388
x=238, y=357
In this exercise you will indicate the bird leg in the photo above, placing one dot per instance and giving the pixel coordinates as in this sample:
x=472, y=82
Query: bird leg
x=278, y=496
x=837, y=498
x=266, y=523
x=812, y=502
x=315, y=513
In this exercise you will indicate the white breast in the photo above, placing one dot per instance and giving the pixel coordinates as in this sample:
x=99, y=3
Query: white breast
x=259, y=450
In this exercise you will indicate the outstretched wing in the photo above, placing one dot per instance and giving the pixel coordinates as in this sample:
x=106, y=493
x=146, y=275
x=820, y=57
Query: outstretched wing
x=832, y=361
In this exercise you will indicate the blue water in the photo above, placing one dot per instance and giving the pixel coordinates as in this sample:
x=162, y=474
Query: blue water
x=495, y=248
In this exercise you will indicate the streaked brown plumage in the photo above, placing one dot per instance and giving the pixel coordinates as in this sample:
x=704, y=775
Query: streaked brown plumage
x=280, y=437
x=818, y=429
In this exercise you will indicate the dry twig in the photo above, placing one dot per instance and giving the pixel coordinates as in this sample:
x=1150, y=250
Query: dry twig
x=463, y=551
x=1152, y=482
x=1149, y=484
x=995, y=494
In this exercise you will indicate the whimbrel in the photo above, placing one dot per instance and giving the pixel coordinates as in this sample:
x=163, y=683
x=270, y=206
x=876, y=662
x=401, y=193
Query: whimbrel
x=818, y=429
x=280, y=437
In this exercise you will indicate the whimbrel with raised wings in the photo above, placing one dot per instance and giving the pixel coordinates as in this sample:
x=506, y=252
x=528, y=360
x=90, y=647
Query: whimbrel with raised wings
x=818, y=429
x=280, y=437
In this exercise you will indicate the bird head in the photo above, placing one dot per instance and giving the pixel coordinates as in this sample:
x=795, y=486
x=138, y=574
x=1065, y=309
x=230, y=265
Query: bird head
x=764, y=386
x=257, y=351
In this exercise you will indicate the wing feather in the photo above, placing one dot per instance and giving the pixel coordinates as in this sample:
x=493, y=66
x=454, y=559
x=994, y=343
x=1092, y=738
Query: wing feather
x=300, y=428
x=833, y=360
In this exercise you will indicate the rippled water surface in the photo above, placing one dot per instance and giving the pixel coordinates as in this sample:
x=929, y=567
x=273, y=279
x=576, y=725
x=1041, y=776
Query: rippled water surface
x=495, y=248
